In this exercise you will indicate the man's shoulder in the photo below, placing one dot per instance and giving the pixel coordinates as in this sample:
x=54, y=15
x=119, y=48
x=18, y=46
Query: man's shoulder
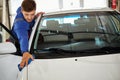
x=20, y=23
x=19, y=17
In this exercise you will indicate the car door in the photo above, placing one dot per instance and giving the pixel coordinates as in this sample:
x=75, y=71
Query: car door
x=8, y=61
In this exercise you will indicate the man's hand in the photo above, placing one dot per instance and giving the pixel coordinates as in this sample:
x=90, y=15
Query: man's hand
x=25, y=58
x=39, y=13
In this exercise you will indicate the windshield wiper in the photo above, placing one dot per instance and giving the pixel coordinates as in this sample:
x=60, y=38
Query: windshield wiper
x=105, y=50
x=97, y=51
x=50, y=50
x=50, y=53
x=55, y=50
x=60, y=53
x=110, y=48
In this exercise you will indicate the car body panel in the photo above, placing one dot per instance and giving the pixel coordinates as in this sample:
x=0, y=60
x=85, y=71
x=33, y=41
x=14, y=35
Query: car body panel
x=9, y=58
x=8, y=66
x=103, y=67
x=7, y=47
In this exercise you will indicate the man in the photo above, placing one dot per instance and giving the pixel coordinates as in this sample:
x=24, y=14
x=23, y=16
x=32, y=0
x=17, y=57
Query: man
x=22, y=27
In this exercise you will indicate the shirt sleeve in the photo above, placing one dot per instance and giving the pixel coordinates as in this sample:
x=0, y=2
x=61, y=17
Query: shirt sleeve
x=21, y=30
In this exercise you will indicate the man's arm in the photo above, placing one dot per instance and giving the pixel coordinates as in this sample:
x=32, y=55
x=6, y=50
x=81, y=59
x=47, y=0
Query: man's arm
x=22, y=34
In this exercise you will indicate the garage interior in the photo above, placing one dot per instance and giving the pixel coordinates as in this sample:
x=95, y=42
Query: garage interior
x=7, y=14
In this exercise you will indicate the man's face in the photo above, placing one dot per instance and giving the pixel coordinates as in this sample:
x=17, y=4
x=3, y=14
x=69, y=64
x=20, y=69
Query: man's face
x=29, y=16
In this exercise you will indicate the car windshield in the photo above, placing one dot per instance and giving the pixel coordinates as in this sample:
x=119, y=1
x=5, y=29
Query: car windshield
x=78, y=31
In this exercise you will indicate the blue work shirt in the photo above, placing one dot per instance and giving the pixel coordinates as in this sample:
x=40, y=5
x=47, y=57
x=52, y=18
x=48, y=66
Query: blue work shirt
x=22, y=30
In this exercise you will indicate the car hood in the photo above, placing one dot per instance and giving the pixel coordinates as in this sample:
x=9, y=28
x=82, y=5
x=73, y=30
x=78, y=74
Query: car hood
x=104, y=67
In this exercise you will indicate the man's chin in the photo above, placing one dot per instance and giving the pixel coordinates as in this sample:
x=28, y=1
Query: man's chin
x=29, y=20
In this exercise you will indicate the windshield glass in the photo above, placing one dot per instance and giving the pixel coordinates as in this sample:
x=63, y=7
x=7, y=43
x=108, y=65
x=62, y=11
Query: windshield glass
x=78, y=31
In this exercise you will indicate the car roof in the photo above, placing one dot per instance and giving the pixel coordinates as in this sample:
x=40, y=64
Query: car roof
x=78, y=10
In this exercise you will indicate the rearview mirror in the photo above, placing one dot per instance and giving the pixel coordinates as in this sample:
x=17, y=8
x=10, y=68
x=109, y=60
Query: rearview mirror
x=7, y=47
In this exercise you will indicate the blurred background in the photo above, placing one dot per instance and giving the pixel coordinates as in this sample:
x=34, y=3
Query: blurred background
x=8, y=7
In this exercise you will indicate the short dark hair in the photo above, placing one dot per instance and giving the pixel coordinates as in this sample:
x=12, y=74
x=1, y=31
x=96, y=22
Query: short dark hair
x=28, y=5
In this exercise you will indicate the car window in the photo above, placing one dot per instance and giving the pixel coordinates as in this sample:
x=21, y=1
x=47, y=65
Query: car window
x=78, y=31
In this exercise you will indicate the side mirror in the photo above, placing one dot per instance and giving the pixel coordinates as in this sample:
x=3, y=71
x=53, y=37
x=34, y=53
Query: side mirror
x=7, y=47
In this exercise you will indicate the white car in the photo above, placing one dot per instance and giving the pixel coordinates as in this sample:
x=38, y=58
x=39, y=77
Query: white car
x=70, y=45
